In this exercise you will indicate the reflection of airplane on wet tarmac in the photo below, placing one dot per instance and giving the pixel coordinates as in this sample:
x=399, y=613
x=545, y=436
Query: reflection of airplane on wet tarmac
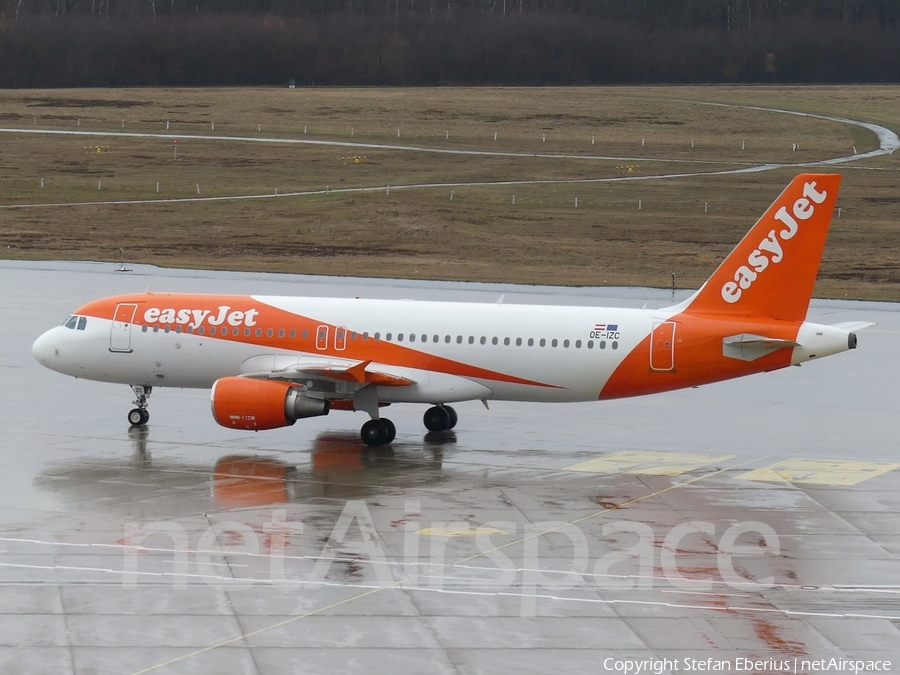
x=340, y=467
x=273, y=360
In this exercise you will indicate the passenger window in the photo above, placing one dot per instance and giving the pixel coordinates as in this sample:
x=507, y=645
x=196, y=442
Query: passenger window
x=459, y=339
x=143, y=329
x=506, y=341
x=531, y=342
x=377, y=336
x=412, y=337
x=590, y=344
x=166, y=329
x=270, y=333
x=483, y=339
x=399, y=337
x=177, y=329
x=71, y=322
x=543, y=342
x=554, y=343
x=425, y=338
x=236, y=332
x=212, y=330
x=494, y=341
x=293, y=333
x=190, y=329
x=602, y=344
x=156, y=329
x=82, y=322
x=281, y=332
x=615, y=345
x=577, y=344
x=365, y=336
x=304, y=334
x=436, y=338
x=259, y=332
x=471, y=339
x=518, y=342
x=566, y=343
x=199, y=330
x=246, y=332
x=447, y=339
x=388, y=337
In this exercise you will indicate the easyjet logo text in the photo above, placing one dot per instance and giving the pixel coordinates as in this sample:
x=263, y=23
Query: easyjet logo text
x=196, y=317
x=769, y=250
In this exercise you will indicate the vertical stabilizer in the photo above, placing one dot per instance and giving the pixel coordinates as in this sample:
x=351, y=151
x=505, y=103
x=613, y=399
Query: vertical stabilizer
x=773, y=270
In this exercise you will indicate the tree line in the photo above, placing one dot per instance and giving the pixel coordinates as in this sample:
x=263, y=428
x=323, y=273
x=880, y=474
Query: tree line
x=60, y=43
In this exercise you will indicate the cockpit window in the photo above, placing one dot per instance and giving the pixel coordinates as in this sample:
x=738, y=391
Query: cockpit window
x=70, y=322
x=82, y=322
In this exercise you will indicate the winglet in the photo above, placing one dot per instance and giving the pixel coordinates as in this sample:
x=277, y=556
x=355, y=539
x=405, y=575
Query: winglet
x=358, y=372
x=773, y=270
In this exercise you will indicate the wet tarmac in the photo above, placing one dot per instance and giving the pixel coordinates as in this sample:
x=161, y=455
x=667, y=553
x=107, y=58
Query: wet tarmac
x=753, y=520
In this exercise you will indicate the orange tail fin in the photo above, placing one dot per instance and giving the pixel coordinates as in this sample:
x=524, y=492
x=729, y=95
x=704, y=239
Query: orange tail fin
x=773, y=270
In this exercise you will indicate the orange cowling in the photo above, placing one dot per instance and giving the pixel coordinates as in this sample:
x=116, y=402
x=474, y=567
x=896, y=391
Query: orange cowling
x=247, y=403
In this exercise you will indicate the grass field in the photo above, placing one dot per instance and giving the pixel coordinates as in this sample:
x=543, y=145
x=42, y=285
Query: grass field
x=684, y=225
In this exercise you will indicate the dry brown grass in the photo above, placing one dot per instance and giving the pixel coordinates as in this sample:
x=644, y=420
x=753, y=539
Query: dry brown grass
x=420, y=233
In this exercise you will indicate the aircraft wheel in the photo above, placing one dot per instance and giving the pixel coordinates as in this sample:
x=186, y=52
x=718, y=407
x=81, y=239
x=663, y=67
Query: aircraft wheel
x=437, y=418
x=136, y=417
x=390, y=429
x=146, y=415
x=454, y=418
x=374, y=432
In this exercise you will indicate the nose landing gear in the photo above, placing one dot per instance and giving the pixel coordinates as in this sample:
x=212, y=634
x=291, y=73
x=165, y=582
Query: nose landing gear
x=440, y=418
x=138, y=417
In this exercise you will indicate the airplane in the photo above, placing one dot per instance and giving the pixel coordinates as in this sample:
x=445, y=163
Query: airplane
x=269, y=360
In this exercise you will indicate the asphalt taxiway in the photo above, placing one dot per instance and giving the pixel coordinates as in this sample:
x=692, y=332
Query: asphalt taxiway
x=755, y=519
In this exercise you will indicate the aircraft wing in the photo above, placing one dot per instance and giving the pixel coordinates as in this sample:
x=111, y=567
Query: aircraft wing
x=359, y=372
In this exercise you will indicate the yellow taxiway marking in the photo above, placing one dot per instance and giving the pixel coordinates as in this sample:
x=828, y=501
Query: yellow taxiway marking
x=820, y=471
x=459, y=531
x=648, y=463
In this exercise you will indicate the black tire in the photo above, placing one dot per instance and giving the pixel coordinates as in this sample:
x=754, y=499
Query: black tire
x=390, y=430
x=136, y=417
x=454, y=418
x=146, y=415
x=373, y=433
x=436, y=418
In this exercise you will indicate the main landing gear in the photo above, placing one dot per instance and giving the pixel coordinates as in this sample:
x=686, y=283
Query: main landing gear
x=382, y=431
x=138, y=417
x=378, y=432
x=440, y=418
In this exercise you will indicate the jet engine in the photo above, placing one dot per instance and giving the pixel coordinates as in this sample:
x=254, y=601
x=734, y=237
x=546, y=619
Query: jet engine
x=251, y=404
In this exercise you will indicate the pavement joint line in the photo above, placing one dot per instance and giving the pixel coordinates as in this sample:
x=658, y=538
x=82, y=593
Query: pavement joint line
x=400, y=582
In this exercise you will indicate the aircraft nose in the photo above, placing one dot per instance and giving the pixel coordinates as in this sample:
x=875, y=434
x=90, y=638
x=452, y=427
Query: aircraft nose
x=45, y=348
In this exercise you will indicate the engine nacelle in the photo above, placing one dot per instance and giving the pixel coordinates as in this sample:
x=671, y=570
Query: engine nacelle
x=251, y=404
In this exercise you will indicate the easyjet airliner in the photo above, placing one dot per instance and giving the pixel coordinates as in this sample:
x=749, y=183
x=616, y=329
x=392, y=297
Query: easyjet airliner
x=270, y=361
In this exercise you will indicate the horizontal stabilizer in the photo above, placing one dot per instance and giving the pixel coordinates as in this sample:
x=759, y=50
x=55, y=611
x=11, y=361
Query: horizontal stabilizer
x=749, y=347
x=853, y=325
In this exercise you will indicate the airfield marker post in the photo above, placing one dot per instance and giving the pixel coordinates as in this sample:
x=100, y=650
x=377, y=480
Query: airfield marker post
x=692, y=143
x=576, y=202
x=259, y=127
x=212, y=126
x=495, y=135
x=742, y=145
x=514, y=200
x=42, y=183
x=705, y=207
x=543, y=138
x=157, y=186
x=854, y=149
x=642, y=142
x=198, y=188
x=167, y=125
x=447, y=135
x=451, y=195
x=592, y=140
x=639, y=204
x=98, y=184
